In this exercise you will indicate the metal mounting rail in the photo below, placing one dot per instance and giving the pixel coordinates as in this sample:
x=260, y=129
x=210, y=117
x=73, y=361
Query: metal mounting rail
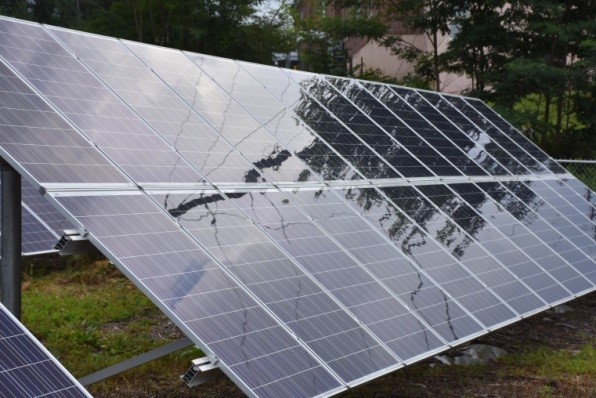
x=136, y=361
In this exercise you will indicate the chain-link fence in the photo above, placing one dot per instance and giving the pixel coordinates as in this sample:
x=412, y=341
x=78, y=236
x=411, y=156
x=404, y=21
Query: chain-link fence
x=584, y=170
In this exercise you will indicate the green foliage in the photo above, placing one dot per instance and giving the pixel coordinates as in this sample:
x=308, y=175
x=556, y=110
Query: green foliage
x=481, y=41
x=548, y=76
x=320, y=38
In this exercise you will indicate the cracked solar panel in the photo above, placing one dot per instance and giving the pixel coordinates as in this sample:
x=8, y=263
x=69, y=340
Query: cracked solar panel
x=161, y=108
x=225, y=220
x=224, y=114
x=90, y=106
x=285, y=280
x=204, y=299
x=482, y=140
x=494, y=133
x=320, y=158
x=326, y=125
x=516, y=136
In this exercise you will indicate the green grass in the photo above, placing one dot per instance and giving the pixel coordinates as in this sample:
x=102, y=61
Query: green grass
x=90, y=317
x=553, y=364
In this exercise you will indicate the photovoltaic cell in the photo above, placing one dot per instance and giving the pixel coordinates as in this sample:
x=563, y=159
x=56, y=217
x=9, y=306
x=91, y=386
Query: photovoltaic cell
x=359, y=124
x=576, y=200
x=42, y=224
x=493, y=132
x=536, y=215
x=494, y=242
x=199, y=295
x=37, y=138
x=276, y=118
x=323, y=123
x=405, y=107
x=278, y=281
x=52, y=219
x=473, y=257
x=224, y=114
x=473, y=156
x=515, y=135
x=566, y=218
x=339, y=273
x=426, y=161
x=582, y=190
x=161, y=108
x=27, y=369
x=37, y=235
x=391, y=268
x=90, y=106
x=427, y=255
x=36, y=238
x=523, y=238
x=484, y=143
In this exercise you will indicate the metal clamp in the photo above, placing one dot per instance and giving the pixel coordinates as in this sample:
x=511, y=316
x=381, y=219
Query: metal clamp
x=202, y=370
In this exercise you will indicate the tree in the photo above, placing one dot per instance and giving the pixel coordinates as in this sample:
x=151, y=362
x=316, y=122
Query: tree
x=482, y=42
x=322, y=34
x=428, y=17
x=15, y=8
x=549, y=76
x=432, y=18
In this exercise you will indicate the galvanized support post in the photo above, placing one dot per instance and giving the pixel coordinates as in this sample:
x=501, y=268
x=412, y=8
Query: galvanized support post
x=10, y=260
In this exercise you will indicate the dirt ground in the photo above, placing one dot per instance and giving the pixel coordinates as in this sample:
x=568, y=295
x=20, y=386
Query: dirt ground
x=540, y=363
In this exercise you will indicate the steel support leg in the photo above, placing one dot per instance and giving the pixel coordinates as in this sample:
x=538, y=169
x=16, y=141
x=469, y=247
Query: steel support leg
x=10, y=260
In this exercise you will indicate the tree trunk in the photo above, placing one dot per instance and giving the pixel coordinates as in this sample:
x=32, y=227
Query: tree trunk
x=436, y=69
x=138, y=16
x=544, y=133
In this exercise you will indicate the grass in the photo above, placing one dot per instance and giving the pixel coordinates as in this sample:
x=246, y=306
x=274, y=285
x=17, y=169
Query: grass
x=90, y=317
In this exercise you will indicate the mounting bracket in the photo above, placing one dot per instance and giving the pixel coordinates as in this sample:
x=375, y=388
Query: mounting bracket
x=202, y=370
x=74, y=241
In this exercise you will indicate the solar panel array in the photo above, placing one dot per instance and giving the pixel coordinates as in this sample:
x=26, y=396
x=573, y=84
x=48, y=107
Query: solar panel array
x=309, y=232
x=27, y=369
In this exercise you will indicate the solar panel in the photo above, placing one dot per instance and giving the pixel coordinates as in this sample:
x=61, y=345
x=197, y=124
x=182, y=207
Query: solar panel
x=326, y=125
x=206, y=301
x=226, y=116
x=339, y=273
x=494, y=133
x=42, y=224
x=164, y=110
x=308, y=232
x=282, y=123
x=523, y=204
x=583, y=191
x=90, y=106
x=27, y=369
x=484, y=144
x=515, y=136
